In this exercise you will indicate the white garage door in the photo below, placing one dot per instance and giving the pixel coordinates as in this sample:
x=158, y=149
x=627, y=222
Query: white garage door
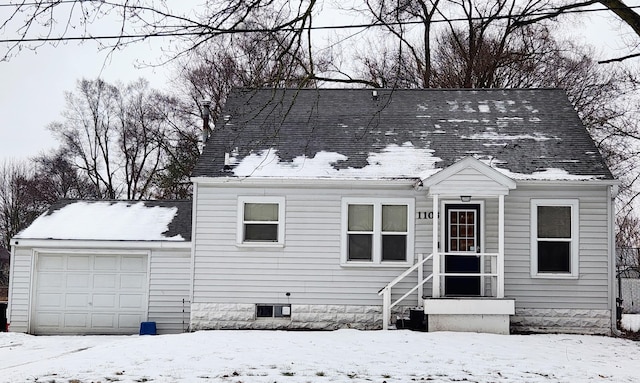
x=90, y=293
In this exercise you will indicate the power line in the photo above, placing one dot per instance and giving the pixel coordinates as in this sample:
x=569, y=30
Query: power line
x=18, y=5
x=207, y=31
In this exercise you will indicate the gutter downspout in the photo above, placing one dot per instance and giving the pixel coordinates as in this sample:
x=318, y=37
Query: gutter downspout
x=194, y=215
x=12, y=262
x=612, y=191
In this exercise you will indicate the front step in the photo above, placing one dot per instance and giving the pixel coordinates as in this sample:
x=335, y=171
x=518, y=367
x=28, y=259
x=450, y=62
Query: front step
x=488, y=315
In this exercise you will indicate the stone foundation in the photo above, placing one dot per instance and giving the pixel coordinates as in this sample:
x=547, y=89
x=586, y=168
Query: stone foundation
x=209, y=316
x=227, y=316
x=595, y=322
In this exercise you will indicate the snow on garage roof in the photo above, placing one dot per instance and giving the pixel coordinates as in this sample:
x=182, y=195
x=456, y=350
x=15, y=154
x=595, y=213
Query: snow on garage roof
x=113, y=221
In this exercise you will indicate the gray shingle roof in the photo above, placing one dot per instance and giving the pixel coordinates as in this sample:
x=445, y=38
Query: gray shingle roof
x=521, y=131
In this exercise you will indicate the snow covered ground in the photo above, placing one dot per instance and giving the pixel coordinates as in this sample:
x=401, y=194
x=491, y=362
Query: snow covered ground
x=631, y=322
x=335, y=356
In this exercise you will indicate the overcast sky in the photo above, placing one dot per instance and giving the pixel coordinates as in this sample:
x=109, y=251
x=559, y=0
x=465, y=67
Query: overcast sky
x=32, y=87
x=32, y=84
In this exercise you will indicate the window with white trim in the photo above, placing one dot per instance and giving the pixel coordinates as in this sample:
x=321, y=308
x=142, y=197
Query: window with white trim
x=377, y=231
x=554, y=237
x=260, y=221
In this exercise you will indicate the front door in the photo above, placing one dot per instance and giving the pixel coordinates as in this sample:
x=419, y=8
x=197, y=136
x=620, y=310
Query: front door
x=462, y=237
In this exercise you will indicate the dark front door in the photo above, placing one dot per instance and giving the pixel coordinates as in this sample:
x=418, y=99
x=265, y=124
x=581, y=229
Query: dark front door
x=462, y=236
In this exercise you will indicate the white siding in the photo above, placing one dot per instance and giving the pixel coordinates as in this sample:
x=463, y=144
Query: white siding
x=470, y=181
x=590, y=290
x=308, y=266
x=169, y=283
x=19, y=293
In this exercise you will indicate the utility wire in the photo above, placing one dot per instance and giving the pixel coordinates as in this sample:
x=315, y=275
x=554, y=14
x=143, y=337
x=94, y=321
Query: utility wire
x=209, y=31
x=19, y=5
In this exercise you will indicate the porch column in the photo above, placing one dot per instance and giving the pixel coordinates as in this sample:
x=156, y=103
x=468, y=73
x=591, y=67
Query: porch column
x=435, y=291
x=500, y=262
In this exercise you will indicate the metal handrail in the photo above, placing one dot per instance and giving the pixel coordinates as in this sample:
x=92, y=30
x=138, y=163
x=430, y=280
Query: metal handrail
x=387, y=305
x=484, y=256
x=404, y=274
x=469, y=254
x=414, y=288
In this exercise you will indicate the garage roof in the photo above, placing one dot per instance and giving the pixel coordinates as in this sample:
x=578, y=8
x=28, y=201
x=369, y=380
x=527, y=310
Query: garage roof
x=113, y=220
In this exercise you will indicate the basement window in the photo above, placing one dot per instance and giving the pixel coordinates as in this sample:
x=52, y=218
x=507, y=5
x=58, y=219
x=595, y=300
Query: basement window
x=273, y=311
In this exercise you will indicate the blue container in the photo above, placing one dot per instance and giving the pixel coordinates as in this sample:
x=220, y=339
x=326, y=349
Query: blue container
x=148, y=328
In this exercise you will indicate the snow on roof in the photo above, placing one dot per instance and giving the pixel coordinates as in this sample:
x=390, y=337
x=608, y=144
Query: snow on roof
x=489, y=135
x=546, y=174
x=108, y=220
x=344, y=133
x=386, y=163
x=413, y=163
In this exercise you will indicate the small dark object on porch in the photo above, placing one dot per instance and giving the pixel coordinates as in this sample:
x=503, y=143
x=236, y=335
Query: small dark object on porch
x=417, y=321
x=3, y=316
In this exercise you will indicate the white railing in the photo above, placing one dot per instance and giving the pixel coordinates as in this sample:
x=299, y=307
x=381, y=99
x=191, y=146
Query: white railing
x=493, y=257
x=387, y=305
x=489, y=272
x=487, y=260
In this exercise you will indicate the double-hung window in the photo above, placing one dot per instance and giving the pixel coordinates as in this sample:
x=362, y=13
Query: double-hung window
x=260, y=221
x=377, y=231
x=554, y=238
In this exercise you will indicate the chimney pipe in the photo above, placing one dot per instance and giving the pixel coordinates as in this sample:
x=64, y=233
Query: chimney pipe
x=206, y=104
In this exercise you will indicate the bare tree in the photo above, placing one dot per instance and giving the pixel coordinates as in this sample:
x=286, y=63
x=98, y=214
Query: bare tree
x=180, y=145
x=628, y=245
x=116, y=135
x=140, y=134
x=33, y=23
x=19, y=204
x=56, y=177
x=39, y=22
x=89, y=134
x=252, y=60
x=27, y=189
x=408, y=25
x=4, y=276
x=473, y=39
x=627, y=15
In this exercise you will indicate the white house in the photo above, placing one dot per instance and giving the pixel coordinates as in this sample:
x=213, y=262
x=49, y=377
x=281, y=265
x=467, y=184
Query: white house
x=495, y=205
x=485, y=210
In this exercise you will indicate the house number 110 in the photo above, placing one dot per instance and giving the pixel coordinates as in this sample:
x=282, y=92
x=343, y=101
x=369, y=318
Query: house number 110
x=425, y=215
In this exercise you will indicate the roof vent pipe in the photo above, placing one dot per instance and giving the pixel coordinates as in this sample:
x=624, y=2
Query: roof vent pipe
x=205, y=104
x=374, y=95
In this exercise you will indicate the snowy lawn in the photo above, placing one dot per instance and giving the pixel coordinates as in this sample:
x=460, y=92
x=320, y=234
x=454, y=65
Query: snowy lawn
x=334, y=356
x=630, y=322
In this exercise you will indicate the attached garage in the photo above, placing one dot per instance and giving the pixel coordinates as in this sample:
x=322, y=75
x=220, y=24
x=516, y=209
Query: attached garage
x=94, y=277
